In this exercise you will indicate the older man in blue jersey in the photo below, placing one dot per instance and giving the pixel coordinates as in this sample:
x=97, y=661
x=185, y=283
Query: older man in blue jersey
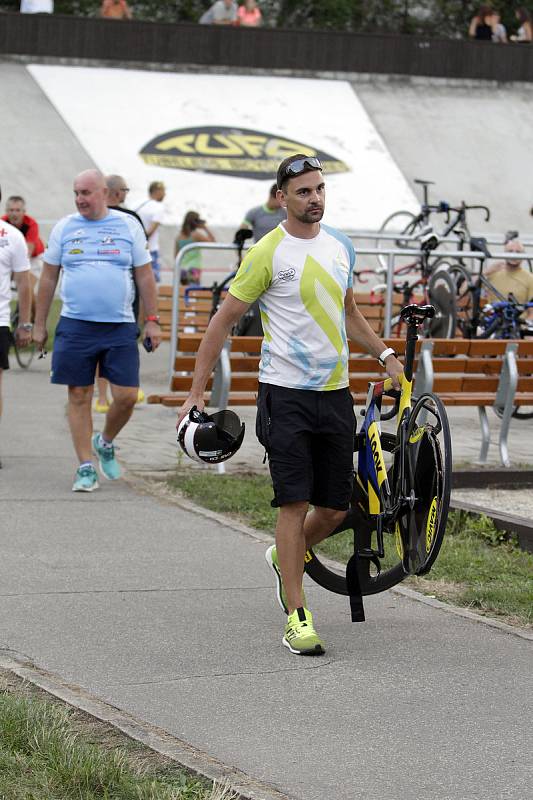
x=101, y=252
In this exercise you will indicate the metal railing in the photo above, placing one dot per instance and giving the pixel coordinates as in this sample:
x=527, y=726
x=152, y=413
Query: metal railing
x=390, y=255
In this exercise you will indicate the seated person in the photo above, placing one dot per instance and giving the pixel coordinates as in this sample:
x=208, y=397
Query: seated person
x=193, y=229
x=511, y=276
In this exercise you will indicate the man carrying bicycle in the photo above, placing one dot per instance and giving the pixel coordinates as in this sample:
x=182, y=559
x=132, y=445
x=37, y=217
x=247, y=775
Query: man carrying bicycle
x=302, y=274
x=13, y=262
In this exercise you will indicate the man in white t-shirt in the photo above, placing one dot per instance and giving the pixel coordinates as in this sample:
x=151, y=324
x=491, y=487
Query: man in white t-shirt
x=301, y=273
x=13, y=262
x=151, y=213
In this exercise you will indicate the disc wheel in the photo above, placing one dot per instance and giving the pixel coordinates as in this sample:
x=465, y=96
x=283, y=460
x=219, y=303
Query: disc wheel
x=428, y=466
x=441, y=294
x=359, y=527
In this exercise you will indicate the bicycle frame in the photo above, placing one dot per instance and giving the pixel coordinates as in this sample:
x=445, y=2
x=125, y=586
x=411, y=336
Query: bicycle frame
x=383, y=503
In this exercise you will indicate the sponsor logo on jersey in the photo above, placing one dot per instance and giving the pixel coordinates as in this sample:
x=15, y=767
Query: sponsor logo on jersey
x=113, y=252
x=76, y=251
x=220, y=150
x=287, y=274
x=108, y=240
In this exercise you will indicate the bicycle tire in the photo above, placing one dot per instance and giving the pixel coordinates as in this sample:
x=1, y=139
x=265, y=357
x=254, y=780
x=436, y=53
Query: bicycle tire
x=402, y=222
x=23, y=355
x=428, y=482
x=441, y=294
x=359, y=522
x=517, y=412
x=461, y=280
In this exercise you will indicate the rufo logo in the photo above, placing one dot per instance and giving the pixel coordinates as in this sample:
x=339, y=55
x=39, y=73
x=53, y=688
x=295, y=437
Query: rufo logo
x=229, y=151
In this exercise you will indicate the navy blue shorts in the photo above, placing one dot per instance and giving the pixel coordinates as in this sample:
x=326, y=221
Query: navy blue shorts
x=80, y=346
x=309, y=437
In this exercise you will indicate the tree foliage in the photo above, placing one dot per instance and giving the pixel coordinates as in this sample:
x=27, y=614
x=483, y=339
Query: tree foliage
x=424, y=17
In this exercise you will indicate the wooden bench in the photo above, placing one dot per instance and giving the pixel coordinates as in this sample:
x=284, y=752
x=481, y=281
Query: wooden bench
x=474, y=373
x=194, y=308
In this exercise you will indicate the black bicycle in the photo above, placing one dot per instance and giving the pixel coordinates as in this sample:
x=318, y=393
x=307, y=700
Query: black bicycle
x=399, y=506
x=431, y=281
x=411, y=225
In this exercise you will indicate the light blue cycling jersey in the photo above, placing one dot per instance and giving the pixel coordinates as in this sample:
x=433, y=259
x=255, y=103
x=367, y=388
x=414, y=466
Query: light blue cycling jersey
x=97, y=257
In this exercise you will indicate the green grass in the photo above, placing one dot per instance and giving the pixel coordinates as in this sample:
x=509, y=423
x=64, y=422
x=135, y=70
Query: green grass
x=478, y=566
x=44, y=755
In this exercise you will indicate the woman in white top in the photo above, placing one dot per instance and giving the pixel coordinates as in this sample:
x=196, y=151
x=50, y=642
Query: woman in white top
x=525, y=31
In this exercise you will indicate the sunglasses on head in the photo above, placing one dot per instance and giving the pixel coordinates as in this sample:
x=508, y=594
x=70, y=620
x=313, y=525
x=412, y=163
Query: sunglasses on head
x=299, y=166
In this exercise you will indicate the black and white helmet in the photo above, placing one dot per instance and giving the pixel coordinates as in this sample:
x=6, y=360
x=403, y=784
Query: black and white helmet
x=210, y=438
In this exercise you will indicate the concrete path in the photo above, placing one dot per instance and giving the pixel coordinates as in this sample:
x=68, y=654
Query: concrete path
x=171, y=616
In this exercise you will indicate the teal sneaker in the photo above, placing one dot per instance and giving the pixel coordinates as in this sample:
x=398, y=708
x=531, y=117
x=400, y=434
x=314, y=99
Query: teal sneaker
x=86, y=479
x=300, y=635
x=109, y=466
x=271, y=557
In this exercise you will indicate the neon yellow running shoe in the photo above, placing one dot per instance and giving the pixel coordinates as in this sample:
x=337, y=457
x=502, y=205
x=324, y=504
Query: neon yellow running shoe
x=140, y=396
x=101, y=408
x=271, y=557
x=300, y=635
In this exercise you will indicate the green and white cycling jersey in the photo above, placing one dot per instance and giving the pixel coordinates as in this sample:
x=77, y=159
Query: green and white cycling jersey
x=301, y=285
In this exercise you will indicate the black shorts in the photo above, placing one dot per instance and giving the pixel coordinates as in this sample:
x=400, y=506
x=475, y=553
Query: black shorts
x=309, y=438
x=5, y=344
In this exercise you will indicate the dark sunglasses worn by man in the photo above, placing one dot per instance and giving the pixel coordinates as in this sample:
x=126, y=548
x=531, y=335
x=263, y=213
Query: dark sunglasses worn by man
x=298, y=167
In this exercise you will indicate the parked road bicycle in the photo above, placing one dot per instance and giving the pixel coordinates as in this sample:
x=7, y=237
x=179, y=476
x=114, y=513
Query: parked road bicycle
x=399, y=507
x=411, y=225
x=504, y=319
x=432, y=283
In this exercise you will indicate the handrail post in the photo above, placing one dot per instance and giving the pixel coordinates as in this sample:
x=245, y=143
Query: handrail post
x=388, y=294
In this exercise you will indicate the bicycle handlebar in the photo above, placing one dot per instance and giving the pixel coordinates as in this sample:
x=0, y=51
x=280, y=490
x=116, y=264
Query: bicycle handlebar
x=463, y=207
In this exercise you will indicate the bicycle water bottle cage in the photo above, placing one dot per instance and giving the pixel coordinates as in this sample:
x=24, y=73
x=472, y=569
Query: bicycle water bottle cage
x=478, y=244
x=415, y=315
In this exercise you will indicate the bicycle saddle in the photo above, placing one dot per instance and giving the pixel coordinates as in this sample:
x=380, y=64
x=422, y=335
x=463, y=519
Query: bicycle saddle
x=479, y=244
x=417, y=314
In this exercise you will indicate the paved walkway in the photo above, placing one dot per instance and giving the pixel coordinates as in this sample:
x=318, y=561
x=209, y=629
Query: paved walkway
x=170, y=616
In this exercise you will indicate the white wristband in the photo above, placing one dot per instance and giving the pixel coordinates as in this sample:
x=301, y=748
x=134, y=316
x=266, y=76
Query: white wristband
x=385, y=354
